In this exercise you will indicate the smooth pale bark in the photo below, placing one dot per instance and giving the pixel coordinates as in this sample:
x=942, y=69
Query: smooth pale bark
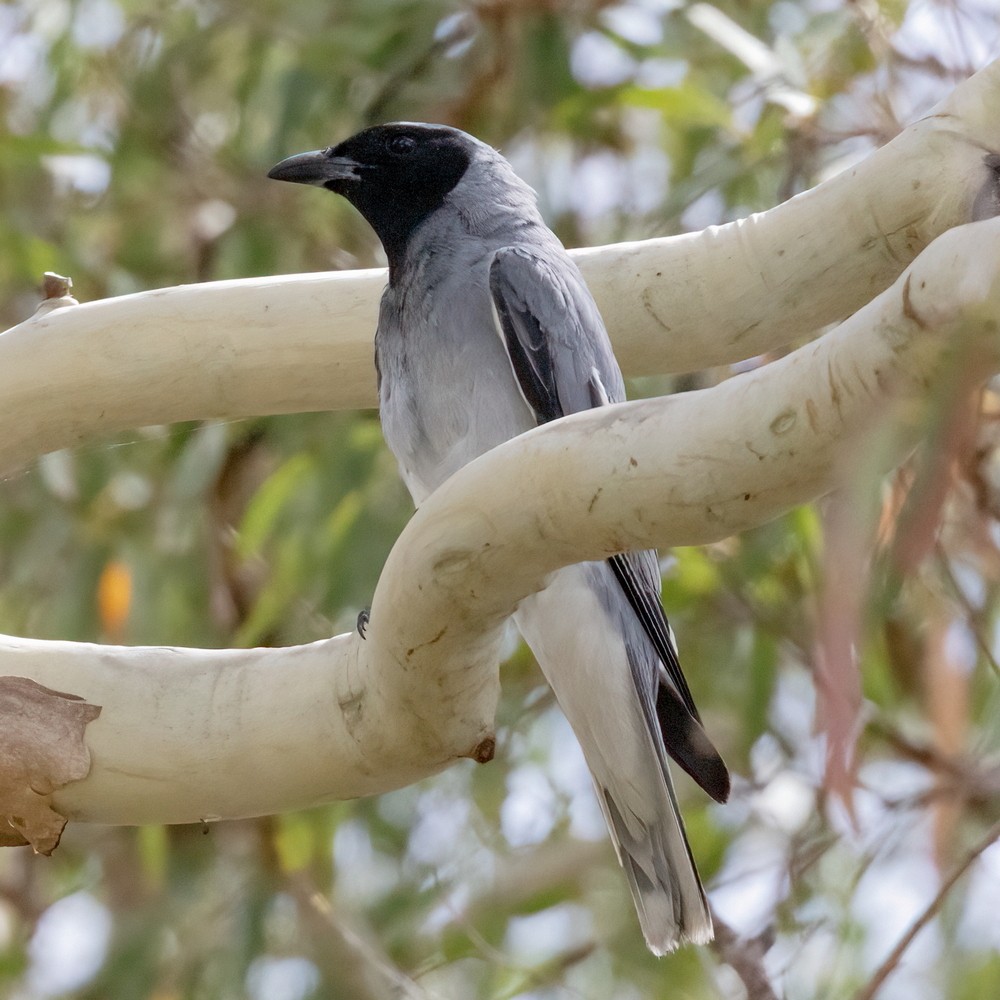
x=304, y=342
x=188, y=734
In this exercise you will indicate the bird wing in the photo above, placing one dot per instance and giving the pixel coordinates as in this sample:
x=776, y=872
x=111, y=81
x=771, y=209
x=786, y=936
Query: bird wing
x=563, y=362
x=547, y=320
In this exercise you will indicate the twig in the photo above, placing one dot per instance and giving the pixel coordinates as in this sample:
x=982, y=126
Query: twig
x=924, y=754
x=971, y=612
x=745, y=957
x=356, y=964
x=889, y=965
x=959, y=774
x=461, y=29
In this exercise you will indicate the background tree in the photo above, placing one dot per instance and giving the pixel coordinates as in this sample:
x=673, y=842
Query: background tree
x=136, y=143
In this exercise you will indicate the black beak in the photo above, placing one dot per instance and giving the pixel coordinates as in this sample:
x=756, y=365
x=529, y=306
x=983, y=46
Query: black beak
x=317, y=167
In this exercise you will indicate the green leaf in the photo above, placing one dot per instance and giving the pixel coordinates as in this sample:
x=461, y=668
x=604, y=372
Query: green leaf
x=684, y=105
x=269, y=501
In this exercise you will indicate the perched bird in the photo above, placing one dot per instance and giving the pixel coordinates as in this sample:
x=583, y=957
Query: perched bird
x=487, y=329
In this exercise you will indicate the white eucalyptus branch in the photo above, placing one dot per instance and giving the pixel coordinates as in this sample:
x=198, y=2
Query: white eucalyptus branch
x=304, y=342
x=185, y=734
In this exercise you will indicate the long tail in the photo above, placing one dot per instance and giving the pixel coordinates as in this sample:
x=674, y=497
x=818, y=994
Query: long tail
x=661, y=872
x=583, y=635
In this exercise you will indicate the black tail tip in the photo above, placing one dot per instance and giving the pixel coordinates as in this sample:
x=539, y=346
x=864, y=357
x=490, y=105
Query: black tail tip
x=715, y=780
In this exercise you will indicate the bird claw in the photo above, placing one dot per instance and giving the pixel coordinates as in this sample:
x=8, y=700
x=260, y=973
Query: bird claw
x=363, y=619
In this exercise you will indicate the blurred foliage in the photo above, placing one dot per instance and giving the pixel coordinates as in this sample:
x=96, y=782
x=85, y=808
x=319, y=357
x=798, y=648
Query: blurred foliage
x=135, y=138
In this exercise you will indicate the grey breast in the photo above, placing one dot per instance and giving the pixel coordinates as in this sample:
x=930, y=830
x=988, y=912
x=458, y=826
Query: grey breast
x=447, y=391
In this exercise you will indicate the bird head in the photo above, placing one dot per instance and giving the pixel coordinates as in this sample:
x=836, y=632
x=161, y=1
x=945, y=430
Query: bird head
x=395, y=175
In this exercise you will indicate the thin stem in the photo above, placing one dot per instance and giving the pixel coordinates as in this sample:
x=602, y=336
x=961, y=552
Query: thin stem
x=895, y=956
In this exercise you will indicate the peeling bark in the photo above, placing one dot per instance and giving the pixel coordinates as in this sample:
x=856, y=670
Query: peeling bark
x=42, y=749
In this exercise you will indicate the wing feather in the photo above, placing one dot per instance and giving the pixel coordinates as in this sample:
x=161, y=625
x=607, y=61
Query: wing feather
x=562, y=360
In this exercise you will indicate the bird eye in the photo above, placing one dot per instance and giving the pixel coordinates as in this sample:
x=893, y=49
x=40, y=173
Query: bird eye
x=402, y=143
